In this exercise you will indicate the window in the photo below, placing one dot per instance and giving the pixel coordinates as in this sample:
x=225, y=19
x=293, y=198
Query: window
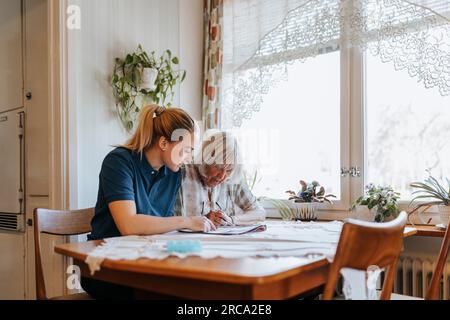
x=297, y=130
x=339, y=109
x=407, y=128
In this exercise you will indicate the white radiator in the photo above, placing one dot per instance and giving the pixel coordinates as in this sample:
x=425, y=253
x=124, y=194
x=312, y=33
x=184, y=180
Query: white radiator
x=414, y=276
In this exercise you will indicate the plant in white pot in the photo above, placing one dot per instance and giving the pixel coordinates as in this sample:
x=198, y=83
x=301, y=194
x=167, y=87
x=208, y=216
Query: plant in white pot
x=433, y=193
x=307, y=200
x=140, y=79
x=381, y=201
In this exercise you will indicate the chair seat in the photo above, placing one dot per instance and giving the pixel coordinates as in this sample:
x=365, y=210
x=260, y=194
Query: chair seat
x=77, y=296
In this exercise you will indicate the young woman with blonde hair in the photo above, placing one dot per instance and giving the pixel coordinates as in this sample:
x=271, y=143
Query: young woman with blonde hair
x=139, y=182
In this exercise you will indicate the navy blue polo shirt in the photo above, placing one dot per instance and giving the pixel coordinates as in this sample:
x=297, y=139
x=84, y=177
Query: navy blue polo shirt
x=125, y=175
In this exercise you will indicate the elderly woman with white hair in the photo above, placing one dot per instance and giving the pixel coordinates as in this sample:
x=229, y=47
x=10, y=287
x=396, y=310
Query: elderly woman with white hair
x=214, y=186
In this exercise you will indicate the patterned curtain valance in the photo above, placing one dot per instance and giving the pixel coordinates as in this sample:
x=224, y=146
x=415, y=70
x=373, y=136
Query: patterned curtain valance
x=412, y=35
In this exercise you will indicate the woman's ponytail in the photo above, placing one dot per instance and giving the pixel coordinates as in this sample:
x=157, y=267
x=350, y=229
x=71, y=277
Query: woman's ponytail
x=156, y=122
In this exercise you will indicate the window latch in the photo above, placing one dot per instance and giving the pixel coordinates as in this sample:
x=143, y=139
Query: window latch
x=354, y=172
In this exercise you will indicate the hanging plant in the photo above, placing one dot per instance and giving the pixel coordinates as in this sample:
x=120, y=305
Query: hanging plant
x=141, y=79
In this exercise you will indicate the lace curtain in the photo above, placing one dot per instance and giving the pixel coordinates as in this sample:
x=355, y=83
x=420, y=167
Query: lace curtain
x=262, y=37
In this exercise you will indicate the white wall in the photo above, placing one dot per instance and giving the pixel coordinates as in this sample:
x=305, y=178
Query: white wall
x=109, y=29
x=191, y=55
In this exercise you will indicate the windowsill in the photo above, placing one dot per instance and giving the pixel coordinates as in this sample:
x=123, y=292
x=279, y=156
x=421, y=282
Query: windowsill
x=331, y=215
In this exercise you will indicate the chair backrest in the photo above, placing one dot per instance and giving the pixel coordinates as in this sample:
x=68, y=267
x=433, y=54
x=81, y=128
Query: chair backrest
x=60, y=223
x=363, y=244
x=435, y=284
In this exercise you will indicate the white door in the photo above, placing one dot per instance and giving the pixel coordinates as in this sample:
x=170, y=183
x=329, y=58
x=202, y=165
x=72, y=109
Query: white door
x=11, y=67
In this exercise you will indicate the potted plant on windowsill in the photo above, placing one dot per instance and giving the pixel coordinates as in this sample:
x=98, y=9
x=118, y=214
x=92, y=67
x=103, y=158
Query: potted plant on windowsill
x=307, y=200
x=381, y=202
x=434, y=194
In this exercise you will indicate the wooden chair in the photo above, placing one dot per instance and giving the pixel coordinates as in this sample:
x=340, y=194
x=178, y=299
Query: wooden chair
x=363, y=244
x=435, y=284
x=59, y=223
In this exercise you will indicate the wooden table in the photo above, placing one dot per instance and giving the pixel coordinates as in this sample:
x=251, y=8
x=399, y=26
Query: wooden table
x=197, y=278
x=429, y=231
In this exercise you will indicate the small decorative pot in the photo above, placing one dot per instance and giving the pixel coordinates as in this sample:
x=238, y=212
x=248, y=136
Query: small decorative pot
x=149, y=76
x=444, y=214
x=363, y=213
x=305, y=211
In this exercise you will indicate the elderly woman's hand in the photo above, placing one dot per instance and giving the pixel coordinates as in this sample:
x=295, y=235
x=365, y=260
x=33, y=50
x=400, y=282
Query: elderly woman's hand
x=219, y=218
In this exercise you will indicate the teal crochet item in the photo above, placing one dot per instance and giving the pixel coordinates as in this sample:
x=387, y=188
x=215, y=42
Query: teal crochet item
x=184, y=246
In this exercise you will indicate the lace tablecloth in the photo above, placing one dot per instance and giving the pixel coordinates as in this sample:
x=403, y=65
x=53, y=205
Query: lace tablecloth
x=312, y=240
x=282, y=239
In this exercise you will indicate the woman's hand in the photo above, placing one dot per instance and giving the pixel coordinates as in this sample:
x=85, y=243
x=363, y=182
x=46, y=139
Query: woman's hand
x=201, y=224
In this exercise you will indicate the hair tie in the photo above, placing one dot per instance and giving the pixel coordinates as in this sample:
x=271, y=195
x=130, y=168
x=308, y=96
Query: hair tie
x=159, y=112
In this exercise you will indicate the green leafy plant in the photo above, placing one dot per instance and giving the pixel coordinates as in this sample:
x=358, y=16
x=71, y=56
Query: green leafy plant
x=382, y=199
x=312, y=192
x=433, y=191
x=127, y=82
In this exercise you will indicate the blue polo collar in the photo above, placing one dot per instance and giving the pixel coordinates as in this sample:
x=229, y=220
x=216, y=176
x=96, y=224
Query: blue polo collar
x=163, y=171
